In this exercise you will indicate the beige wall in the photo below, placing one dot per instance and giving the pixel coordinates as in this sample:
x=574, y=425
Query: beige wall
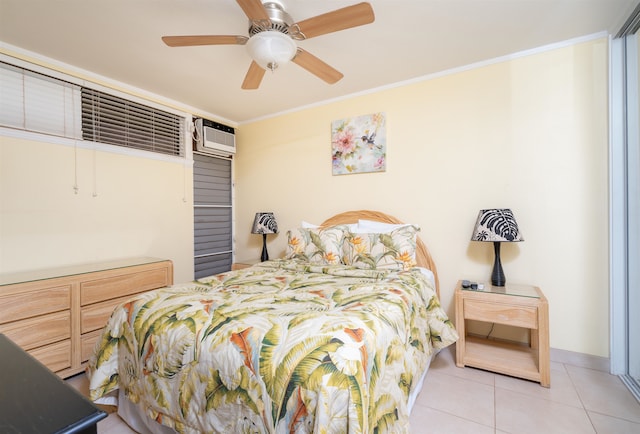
x=138, y=209
x=529, y=134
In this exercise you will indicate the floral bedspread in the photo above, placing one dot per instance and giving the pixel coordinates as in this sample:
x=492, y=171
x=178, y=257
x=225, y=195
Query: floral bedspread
x=280, y=347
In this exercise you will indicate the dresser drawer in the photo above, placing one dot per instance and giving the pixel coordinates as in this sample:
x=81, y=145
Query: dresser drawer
x=87, y=343
x=57, y=314
x=35, y=332
x=55, y=356
x=95, y=317
x=517, y=316
x=29, y=304
x=95, y=291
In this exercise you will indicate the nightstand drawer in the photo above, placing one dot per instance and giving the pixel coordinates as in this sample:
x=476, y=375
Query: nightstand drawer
x=517, y=316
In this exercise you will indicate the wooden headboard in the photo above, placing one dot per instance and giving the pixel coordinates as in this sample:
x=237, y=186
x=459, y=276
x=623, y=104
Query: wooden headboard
x=423, y=257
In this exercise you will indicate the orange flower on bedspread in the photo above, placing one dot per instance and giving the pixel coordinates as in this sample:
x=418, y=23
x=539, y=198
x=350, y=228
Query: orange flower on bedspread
x=407, y=260
x=358, y=244
x=294, y=243
x=331, y=258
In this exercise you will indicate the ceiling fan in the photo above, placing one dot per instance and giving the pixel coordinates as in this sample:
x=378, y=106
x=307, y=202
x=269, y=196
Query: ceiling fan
x=272, y=36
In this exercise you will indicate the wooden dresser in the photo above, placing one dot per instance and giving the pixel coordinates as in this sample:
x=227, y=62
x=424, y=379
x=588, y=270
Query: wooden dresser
x=56, y=315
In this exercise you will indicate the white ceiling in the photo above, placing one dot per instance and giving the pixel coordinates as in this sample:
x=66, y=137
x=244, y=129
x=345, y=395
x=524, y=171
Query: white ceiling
x=120, y=39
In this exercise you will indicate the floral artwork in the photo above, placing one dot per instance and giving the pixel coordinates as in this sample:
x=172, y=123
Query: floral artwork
x=359, y=144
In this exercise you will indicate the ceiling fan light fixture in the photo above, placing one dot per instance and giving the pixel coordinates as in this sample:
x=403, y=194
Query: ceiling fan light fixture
x=271, y=49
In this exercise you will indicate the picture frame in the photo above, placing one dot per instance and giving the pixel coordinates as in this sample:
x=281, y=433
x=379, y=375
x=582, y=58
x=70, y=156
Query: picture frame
x=359, y=145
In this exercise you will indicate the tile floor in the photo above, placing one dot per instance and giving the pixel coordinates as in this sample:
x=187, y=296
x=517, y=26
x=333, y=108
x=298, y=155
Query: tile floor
x=457, y=401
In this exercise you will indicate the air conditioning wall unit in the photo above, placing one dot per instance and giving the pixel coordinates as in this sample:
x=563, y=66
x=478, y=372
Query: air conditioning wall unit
x=213, y=138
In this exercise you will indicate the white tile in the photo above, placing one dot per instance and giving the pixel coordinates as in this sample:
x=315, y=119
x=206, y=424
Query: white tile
x=459, y=401
x=80, y=383
x=561, y=390
x=604, y=393
x=445, y=363
x=114, y=425
x=459, y=397
x=517, y=413
x=426, y=420
x=557, y=366
x=610, y=425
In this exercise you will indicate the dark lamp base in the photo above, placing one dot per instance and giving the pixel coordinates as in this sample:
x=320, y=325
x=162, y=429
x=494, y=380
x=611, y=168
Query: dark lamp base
x=497, y=276
x=265, y=254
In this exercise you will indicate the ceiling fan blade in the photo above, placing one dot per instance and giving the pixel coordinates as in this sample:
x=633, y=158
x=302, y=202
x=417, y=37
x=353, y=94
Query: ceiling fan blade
x=340, y=19
x=254, y=77
x=316, y=66
x=186, y=41
x=254, y=10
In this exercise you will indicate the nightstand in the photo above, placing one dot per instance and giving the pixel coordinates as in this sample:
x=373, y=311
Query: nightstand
x=512, y=305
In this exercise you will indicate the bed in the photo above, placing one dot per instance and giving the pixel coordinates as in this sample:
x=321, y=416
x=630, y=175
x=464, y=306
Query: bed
x=334, y=338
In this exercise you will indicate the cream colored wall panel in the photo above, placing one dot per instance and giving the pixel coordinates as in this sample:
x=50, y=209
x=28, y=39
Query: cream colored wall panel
x=125, y=206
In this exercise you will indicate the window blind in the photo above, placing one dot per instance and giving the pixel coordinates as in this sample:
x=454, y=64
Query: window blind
x=212, y=198
x=110, y=119
x=35, y=102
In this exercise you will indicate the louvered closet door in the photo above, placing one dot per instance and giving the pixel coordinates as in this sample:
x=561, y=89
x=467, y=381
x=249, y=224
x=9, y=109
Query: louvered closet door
x=212, y=215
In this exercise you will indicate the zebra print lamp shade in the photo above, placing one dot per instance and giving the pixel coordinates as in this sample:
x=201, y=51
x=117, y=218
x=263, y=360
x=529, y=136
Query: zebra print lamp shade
x=264, y=223
x=497, y=226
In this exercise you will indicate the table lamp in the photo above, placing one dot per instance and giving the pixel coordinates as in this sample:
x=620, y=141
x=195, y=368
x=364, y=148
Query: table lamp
x=264, y=223
x=498, y=226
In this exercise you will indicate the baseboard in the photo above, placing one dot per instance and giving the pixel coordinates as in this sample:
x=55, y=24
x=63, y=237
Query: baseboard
x=580, y=359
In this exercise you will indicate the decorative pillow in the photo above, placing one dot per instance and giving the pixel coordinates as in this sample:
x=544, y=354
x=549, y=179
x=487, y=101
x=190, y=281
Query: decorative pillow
x=395, y=250
x=316, y=245
x=353, y=227
x=379, y=227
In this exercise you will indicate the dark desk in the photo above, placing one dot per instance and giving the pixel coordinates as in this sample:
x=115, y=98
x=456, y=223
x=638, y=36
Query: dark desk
x=35, y=400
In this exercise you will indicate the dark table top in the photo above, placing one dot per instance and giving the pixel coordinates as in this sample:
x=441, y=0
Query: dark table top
x=35, y=400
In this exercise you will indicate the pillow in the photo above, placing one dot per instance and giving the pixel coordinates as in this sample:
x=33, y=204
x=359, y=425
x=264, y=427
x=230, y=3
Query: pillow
x=379, y=227
x=395, y=250
x=316, y=245
x=353, y=227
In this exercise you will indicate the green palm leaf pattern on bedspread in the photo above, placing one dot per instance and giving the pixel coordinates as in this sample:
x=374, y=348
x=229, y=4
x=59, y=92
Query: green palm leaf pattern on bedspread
x=280, y=347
